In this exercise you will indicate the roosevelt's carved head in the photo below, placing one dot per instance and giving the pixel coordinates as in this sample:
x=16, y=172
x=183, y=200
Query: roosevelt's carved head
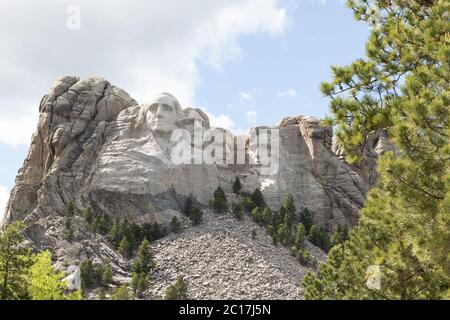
x=163, y=112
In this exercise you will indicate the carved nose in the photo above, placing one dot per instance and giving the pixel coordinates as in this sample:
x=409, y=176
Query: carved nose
x=158, y=112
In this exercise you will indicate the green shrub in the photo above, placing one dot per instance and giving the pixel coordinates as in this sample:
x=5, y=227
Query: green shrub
x=196, y=215
x=319, y=237
x=303, y=256
x=258, y=198
x=300, y=236
x=237, y=186
x=219, y=201
x=121, y=293
x=177, y=291
x=306, y=218
x=175, y=224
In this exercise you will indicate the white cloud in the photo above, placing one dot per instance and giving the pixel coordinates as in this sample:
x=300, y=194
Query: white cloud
x=251, y=116
x=142, y=46
x=4, y=196
x=245, y=97
x=220, y=121
x=291, y=93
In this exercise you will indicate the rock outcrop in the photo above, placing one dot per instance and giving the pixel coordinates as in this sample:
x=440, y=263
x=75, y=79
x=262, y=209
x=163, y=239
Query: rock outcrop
x=97, y=148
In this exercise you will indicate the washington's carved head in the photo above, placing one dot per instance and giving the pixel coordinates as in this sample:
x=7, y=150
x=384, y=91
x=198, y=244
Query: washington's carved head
x=163, y=112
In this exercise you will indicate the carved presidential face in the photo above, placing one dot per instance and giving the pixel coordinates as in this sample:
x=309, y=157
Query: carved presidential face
x=165, y=111
x=193, y=114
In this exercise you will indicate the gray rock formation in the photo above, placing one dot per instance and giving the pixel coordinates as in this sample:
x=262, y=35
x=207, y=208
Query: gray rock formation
x=96, y=147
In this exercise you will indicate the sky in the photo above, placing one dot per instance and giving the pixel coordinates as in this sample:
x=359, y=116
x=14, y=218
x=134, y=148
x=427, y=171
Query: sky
x=246, y=62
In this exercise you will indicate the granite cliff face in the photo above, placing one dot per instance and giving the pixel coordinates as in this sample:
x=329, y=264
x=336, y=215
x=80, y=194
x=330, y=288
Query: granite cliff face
x=96, y=147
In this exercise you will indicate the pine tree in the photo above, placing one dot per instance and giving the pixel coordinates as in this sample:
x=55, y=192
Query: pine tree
x=258, y=199
x=144, y=262
x=196, y=215
x=139, y=283
x=402, y=89
x=300, y=236
x=189, y=204
x=283, y=234
x=266, y=216
x=116, y=233
x=177, y=291
x=306, y=218
x=219, y=201
x=124, y=248
x=15, y=261
x=70, y=213
x=303, y=256
x=248, y=204
x=91, y=274
x=319, y=237
x=256, y=214
x=45, y=283
x=107, y=275
x=175, y=224
x=291, y=210
x=339, y=236
x=237, y=186
x=121, y=293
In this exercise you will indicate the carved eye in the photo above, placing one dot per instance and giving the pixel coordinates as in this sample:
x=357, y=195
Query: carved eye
x=153, y=108
x=166, y=108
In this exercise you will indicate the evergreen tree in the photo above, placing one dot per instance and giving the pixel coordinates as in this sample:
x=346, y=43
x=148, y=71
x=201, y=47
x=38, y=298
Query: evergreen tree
x=124, y=248
x=44, y=283
x=189, y=205
x=248, y=204
x=237, y=186
x=303, y=257
x=258, y=199
x=196, y=215
x=116, y=233
x=139, y=283
x=339, y=236
x=300, y=236
x=70, y=213
x=291, y=210
x=91, y=274
x=14, y=263
x=175, y=225
x=144, y=262
x=107, y=275
x=256, y=214
x=319, y=237
x=219, y=201
x=306, y=218
x=283, y=234
x=266, y=216
x=177, y=291
x=121, y=293
x=401, y=88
